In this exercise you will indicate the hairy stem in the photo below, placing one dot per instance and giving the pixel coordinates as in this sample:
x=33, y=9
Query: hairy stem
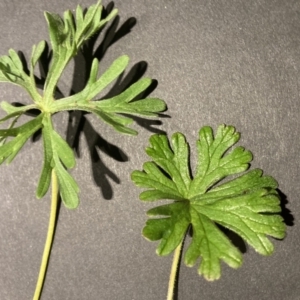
x=173, y=273
x=50, y=234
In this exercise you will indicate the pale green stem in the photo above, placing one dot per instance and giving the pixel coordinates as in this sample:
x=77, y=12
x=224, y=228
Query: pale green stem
x=174, y=271
x=50, y=234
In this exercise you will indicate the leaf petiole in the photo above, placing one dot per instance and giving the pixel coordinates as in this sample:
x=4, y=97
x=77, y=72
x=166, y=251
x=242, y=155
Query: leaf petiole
x=174, y=270
x=49, y=239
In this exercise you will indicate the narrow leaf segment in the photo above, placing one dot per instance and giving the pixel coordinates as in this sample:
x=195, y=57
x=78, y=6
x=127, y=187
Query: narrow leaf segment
x=247, y=204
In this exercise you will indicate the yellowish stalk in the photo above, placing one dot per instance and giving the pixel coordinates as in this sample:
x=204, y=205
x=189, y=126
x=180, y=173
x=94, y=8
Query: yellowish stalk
x=174, y=271
x=49, y=239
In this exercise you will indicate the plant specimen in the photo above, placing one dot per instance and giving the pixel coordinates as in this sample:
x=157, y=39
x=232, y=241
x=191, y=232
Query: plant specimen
x=247, y=204
x=67, y=35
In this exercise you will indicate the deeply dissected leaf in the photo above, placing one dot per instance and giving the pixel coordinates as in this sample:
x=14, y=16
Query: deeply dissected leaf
x=67, y=35
x=247, y=204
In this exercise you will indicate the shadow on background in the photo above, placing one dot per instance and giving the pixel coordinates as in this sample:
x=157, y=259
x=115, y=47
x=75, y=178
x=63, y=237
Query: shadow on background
x=285, y=212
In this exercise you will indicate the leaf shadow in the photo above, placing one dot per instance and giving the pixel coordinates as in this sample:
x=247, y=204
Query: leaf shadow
x=235, y=239
x=286, y=214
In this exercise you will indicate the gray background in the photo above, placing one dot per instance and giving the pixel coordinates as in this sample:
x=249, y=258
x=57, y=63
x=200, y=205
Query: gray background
x=233, y=62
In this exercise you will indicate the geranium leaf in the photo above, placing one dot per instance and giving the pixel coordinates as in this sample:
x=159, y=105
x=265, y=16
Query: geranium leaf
x=247, y=204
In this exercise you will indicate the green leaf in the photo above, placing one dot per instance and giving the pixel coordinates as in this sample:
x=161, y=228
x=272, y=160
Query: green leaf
x=56, y=30
x=68, y=187
x=79, y=18
x=15, y=60
x=11, y=69
x=83, y=99
x=56, y=152
x=67, y=35
x=110, y=74
x=13, y=111
x=64, y=152
x=124, y=103
x=88, y=24
x=45, y=177
x=10, y=109
x=247, y=204
x=117, y=122
x=94, y=72
x=109, y=109
x=20, y=135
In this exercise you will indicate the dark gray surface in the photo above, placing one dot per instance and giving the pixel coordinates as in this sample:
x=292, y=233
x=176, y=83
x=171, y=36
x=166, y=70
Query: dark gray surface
x=234, y=62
